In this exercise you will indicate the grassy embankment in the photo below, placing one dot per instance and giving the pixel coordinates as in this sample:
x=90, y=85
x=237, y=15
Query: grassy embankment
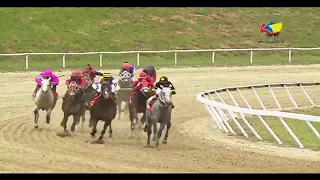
x=121, y=29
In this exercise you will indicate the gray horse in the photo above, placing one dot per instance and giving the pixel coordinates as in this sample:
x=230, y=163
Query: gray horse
x=160, y=113
x=125, y=91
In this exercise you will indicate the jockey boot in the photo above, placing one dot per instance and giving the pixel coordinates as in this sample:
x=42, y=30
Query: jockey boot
x=151, y=102
x=54, y=91
x=173, y=106
x=64, y=95
x=36, y=90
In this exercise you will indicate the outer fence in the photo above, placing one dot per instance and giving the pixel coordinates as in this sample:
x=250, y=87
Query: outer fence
x=27, y=55
x=222, y=113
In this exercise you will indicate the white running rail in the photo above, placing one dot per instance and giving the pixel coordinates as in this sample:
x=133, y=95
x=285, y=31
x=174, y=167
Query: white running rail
x=222, y=113
x=27, y=55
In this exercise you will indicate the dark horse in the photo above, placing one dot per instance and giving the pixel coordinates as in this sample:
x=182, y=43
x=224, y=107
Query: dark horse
x=105, y=109
x=125, y=91
x=138, y=104
x=73, y=104
x=88, y=95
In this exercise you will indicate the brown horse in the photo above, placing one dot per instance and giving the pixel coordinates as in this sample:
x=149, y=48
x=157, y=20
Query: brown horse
x=88, y=95
x=104, y=109
x=137, y=104
x=73, y=104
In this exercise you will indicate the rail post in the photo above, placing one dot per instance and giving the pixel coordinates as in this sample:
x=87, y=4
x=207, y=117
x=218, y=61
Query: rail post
x=64, y=61
x=212, y=60
x=138, y=59
x=175, y=58
x=100, y=59
x=289, y=55
x=251, y=57
x=27, y=61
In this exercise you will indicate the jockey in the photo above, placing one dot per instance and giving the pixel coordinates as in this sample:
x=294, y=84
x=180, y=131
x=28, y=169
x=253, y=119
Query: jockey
x=91, y=71
x=151, y=72
x=136, y=83
x=106, y=78
x=54, y=81
x=164, y=81
x=127, y=67
x=76, y=76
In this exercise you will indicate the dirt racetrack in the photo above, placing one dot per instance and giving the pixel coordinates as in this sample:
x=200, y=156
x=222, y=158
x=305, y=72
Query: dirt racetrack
x=194, y=145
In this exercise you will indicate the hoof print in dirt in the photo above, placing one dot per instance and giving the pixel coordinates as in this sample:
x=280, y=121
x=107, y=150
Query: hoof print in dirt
x=97, y=141
x=63, y=134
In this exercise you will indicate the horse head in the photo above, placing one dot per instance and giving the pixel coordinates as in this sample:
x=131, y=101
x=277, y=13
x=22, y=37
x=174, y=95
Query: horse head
x=45, y=84
x=106, y=90
x=125, y=77
x=144, y=88
x=88, y=80
x=165, y=96
x=73, y=89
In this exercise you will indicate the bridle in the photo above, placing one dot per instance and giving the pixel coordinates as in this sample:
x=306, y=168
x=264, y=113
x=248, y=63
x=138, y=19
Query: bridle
x=73, y=88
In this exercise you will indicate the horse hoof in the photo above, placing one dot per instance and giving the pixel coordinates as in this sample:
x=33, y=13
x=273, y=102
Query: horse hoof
x=93, y=135
x=36, y=126
x=110, y=136
x=165, y=142
x=145, y=128
x=48, y=122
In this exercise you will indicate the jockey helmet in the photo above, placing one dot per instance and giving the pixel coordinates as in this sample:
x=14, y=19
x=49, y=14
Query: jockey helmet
x=126, y=65
x=107, y=75
x=143, y=75
x=151, y=67
x=87, y=68
x=163, y=79
x=76, y=73
x=48, y=73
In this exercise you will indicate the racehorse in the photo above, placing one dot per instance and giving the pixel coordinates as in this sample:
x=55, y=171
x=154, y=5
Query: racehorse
x=159, y=113
x=44, y=100
x=138, y=104
x=125, y=91
x=88, y=95
x=105, y=109
x=72, y=105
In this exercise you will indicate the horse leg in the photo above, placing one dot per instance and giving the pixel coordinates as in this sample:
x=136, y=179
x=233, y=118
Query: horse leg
x=64, y=122
x=83, y=118
x=110, y=131
x=90, y=122
x=148, y=130
x=36, y=117
x=165, y=141
x=119, y=108
x=48, y=115
x=106, y=124
x=76, y=119
x=162, y=125
x=126, y=107
x=94, y=127
x=155, y=129
x=133, y=123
